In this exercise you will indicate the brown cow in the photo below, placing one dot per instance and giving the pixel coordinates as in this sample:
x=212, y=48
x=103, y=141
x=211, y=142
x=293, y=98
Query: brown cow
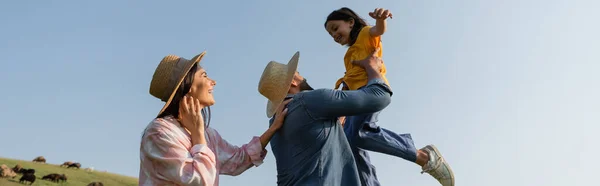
x=66, y=164
x=63, y=178
x=55, y=177
x=96, y=184
x=40, y=159
x=51, y=177
x=6, y=172
x=17, y=168
x=75, y=165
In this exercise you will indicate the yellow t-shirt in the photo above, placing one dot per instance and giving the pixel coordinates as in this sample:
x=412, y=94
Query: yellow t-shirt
x=356, y=76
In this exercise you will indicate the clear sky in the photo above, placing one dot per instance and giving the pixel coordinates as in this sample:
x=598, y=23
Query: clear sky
x=508, y=90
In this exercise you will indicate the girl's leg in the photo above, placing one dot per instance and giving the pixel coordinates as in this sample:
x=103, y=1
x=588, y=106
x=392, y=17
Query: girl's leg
x=422, y=158
x=365, y=134
x=374, y=138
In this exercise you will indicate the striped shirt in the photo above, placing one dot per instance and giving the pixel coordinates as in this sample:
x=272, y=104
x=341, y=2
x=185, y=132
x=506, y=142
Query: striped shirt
x=167, y=156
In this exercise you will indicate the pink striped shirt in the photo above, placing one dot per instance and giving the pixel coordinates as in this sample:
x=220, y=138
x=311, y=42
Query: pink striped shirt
x=168, y=157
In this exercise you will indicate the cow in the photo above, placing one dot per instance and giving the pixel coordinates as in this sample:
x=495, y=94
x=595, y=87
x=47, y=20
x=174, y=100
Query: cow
x=51, y=177
x=40, y=159
x=96, y=184
x=63, y=178
x=28, y=175
x=55, y=177
x=17, y=168
x=25, y=171
x=66, y=164
x=75, y=165
x=6, y=172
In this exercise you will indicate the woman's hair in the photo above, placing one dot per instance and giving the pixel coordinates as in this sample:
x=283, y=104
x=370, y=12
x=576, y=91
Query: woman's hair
x=184, y=88
x=346, y=14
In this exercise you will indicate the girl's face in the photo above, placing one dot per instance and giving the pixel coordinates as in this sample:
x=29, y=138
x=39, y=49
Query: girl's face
x=340, y=30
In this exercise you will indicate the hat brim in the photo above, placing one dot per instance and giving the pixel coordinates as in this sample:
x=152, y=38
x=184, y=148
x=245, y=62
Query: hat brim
x=292, y=67
x=191, y=63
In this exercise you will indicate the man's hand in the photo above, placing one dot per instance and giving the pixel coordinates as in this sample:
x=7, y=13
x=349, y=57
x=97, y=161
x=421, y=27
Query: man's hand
x=371, y=61
x=342, y=120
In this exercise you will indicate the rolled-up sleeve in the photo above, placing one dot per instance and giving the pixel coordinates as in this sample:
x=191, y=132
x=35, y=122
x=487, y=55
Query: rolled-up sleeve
x=329, y=103
x=235, y=160
x=174, y=163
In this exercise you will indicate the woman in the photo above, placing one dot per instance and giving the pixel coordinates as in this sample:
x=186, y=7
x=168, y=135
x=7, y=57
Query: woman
x=178, y=147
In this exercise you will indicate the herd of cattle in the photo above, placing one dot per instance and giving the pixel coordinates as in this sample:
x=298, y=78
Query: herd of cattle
x=28, y=175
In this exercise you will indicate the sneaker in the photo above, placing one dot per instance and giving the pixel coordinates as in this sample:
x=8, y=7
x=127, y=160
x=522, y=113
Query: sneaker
x=437, y=166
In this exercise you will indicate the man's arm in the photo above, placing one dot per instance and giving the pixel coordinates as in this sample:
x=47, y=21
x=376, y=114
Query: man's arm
x=375, y=96
x=329, y=103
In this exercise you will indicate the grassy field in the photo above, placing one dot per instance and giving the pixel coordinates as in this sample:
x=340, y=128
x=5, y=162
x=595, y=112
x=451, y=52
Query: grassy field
x=78, y=177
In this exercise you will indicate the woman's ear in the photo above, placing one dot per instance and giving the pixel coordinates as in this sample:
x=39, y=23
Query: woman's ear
x=192, y=89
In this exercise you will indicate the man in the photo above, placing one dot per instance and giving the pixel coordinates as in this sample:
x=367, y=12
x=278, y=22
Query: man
x=311, y=148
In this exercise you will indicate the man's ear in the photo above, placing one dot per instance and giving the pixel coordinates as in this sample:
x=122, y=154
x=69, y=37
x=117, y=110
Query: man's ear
x=295, y=83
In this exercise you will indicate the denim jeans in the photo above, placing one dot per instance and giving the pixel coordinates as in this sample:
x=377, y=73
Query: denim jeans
x=363, y=134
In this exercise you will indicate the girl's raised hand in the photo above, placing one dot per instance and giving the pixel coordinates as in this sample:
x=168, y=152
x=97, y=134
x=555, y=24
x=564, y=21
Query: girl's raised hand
x=380, y=13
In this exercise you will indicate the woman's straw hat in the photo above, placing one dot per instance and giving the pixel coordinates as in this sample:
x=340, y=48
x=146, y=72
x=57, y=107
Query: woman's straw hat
x=168, y=77
x=275, y=82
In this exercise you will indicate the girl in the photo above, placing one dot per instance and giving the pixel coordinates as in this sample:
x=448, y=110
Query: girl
x=348, y=29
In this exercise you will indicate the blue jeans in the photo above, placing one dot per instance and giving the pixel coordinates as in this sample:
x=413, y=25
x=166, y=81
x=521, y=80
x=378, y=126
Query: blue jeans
x=363, y=134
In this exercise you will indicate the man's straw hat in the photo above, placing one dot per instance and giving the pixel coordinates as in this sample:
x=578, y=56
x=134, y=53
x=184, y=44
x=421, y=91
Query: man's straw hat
x=168, y=77
x=275, y=82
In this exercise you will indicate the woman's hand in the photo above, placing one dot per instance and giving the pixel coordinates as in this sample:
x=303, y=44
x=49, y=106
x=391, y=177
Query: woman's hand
x=191, y=118
x=280, y=114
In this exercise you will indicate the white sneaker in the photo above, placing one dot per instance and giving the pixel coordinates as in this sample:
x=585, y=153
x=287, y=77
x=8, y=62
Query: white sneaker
x=437, y=166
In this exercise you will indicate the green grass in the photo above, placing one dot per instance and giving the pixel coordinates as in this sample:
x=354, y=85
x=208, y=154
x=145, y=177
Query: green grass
x=78, y=177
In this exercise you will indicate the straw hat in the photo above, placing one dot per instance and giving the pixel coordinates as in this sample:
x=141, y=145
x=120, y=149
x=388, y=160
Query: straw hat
x=275, y=82
x=168, y=77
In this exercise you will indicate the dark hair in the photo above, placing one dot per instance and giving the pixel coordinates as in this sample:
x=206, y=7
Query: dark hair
x=346, y=14
x=184, y=88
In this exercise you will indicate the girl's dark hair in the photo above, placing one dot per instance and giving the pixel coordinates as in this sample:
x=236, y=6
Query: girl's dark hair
x=346, y=14
x=184, y=88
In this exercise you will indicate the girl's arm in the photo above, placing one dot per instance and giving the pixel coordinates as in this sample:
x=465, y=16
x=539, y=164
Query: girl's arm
x=380, y=27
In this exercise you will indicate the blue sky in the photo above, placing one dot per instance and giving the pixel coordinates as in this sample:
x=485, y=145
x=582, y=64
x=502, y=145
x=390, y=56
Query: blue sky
x=508, y=90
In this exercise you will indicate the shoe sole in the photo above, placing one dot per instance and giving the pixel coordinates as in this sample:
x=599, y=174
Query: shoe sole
x=432, y=147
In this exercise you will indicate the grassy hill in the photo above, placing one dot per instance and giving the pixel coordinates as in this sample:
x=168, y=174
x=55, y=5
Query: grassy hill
x=78, y=177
